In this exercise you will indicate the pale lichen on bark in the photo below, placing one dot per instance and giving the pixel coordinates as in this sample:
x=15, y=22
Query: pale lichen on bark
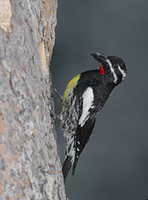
x=5, y=15
x=29, y=164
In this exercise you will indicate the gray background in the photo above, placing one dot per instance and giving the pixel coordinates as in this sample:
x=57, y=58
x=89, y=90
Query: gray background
x=114, y=164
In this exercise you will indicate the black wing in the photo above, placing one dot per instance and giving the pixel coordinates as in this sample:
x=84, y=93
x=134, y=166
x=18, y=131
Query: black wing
x=82, y=138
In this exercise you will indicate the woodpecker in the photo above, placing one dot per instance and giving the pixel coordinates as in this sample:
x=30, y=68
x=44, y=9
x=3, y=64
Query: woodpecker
x=84, y=97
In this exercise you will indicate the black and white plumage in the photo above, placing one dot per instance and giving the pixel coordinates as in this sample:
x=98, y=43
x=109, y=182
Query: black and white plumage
x=84, y=97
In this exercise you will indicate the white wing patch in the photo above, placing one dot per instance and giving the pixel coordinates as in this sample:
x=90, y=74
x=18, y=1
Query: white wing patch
x=88, y=98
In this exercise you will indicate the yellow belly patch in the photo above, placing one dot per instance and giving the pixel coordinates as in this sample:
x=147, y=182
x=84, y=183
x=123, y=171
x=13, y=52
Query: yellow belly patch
x=71, y=85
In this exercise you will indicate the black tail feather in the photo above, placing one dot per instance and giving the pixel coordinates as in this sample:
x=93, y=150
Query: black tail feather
x=66, y=166
x=74, y=166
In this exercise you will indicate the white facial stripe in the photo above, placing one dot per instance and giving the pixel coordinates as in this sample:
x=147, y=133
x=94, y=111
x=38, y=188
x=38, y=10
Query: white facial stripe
x=112, y=71
x=88, y=98
x=122, y=72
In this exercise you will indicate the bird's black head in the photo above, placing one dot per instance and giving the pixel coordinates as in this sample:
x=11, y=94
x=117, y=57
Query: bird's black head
x=113, y=66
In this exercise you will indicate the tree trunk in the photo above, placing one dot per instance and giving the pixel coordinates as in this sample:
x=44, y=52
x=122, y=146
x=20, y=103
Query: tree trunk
x=30, y=168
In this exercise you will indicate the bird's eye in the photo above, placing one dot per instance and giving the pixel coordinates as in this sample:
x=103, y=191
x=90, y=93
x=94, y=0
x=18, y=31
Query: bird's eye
x=115, y=66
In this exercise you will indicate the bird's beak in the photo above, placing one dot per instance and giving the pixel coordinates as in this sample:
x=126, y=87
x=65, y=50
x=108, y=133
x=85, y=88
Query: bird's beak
x=99, y=58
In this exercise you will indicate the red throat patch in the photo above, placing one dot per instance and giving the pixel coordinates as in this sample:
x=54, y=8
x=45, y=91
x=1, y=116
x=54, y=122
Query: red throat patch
x=101, y=70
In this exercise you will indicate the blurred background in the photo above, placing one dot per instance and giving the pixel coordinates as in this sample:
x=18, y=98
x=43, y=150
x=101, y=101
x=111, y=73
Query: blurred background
x=114, y=164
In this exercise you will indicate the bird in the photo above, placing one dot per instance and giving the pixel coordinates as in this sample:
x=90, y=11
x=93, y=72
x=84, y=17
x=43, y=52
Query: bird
x=84, y=97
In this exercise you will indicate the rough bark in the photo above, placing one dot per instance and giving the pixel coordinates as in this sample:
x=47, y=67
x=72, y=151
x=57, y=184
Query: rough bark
x=29, y=164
